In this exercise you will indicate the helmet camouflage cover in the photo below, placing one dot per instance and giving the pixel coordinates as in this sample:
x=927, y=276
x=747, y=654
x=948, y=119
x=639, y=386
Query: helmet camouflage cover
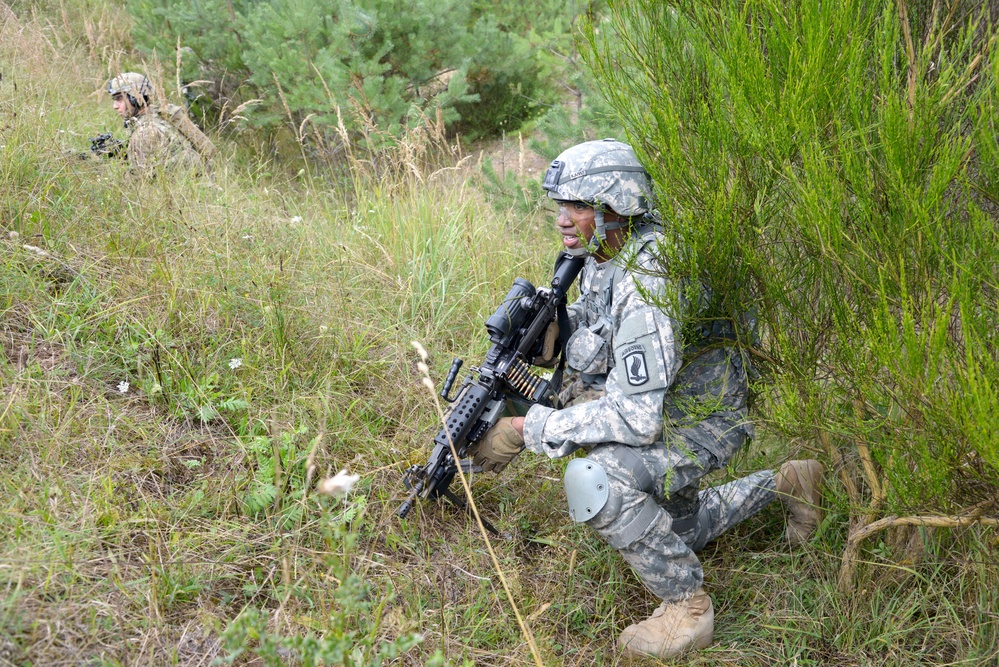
x=601, y=173
x=135, y=85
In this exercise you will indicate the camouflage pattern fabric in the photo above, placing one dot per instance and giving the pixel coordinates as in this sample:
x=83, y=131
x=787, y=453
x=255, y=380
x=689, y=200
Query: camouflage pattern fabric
x=657, y=417
x=603, y=172
x=156, y=144
x=612, y=322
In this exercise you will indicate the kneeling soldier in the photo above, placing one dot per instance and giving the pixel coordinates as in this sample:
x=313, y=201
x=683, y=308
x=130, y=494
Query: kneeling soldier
x=153, y=142
x=655, y=412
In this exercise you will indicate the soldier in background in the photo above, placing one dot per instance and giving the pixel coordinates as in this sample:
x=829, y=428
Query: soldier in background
x=154, y=142
x=655, y=410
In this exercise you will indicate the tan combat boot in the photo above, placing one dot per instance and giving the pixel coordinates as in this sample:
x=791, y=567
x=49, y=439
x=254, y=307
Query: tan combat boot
x=673, y=628
x=799, y=487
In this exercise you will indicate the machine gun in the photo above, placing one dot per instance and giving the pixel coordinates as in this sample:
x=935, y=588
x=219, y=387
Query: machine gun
x=105, y=145
x=517, y=331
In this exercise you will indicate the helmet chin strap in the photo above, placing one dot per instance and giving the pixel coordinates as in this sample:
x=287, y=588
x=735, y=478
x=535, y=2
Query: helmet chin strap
x=602, y=226
x=136, y=109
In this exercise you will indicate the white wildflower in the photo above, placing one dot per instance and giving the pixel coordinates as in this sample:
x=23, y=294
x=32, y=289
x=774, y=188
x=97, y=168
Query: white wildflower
x=35, y=249
x=297, y=218
x=235, y=363
x=123, y=387
x=338, y=485
x=12, y=235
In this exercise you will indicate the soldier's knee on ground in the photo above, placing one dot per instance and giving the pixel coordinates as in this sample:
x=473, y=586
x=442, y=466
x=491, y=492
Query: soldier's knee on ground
x=694, y=529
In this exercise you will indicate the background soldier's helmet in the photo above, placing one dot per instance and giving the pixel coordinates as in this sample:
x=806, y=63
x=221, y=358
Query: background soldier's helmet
x=604, y=174
x=135, y=86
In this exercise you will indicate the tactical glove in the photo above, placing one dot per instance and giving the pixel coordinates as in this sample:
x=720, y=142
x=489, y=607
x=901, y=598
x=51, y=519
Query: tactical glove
x=498, y=446
x=547, y=357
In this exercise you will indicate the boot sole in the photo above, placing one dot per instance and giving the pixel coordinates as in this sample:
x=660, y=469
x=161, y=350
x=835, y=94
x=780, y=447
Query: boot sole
x=700, y=643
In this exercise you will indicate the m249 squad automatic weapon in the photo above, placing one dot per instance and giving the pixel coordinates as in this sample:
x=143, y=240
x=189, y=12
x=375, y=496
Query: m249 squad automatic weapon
x=516, y=330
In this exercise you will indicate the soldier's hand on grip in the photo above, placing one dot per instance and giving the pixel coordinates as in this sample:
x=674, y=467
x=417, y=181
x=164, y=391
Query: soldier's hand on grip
x=498, y=446
x=548, y=352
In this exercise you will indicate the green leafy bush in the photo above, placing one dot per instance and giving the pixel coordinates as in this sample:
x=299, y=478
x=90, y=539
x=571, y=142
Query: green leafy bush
x=384, y=63
x=833, y=166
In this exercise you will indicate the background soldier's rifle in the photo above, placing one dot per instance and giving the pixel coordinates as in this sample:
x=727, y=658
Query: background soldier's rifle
x=517, y=330
x=105, y=145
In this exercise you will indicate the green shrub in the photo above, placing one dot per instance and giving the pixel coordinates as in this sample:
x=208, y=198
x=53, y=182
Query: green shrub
x=832, y=165
x=384, y=63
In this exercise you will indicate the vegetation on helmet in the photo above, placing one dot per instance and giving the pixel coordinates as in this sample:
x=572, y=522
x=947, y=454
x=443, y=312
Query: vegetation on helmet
x=133, y=85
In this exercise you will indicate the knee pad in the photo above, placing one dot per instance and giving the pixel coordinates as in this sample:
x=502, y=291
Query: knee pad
x=586, y=489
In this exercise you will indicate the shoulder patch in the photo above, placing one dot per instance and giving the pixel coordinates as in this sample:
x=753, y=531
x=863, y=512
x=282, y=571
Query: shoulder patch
x=636, y=370
x=638, y=355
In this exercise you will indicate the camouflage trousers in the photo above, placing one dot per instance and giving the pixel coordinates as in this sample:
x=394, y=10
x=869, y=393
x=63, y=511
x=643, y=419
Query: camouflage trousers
x=657, y=516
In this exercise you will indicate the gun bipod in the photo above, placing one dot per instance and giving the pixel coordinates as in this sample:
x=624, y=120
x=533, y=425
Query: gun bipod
x=461, y=504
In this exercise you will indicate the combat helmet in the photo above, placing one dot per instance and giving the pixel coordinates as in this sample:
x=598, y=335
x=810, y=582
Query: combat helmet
x=605, y=174
x=133, y=85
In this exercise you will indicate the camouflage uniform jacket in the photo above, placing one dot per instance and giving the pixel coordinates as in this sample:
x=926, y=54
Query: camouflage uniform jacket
x=624, y=347
x=155, y=143
x=627, y=354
